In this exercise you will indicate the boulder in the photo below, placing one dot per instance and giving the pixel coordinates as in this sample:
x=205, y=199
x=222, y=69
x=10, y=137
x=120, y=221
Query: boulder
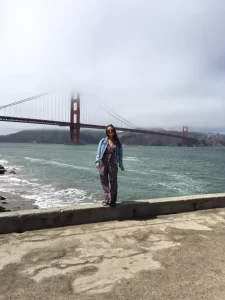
x=12, y=172
x=2, y=198
x=2, y=170
x=2, y=209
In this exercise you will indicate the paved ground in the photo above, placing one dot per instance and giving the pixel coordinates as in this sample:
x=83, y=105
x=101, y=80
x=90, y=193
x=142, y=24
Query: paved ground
x=171, y=257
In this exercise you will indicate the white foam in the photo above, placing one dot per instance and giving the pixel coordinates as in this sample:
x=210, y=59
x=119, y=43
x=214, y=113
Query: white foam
x=13, y=184
x=181, y=184
x=4, y=162
x=49, y=196
x=9, y=167
x=21, y=181
x=130, y=158
x=56, y=163
x=44, y=195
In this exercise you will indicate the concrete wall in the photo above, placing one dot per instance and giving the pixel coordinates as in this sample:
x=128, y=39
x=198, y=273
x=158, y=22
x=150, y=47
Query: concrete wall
x=58, y=217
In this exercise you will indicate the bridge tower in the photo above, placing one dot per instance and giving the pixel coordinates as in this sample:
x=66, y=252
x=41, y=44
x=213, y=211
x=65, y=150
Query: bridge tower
x=185, y=135
x=75, y=127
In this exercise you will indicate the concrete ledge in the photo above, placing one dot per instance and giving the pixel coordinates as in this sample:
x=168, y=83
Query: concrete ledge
x=75, y=215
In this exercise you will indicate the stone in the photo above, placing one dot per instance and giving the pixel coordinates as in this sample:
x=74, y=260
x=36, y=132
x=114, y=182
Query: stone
x=2, y=170
x=12, y=172
x=2, y=209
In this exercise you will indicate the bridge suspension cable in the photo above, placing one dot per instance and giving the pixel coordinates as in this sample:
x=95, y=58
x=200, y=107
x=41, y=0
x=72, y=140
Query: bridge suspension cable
x=24, y=100
x=124, y=120
x=118, y=117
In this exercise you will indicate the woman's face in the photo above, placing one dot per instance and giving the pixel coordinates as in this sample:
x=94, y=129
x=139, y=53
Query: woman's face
x=110, y=131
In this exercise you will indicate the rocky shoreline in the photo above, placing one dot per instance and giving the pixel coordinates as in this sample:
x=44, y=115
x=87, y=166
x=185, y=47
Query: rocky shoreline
x=2, y=199
x=3, y=170
x=9, y=202
x=14, y=203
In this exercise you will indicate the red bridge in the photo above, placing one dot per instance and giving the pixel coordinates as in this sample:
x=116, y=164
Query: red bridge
x=57, y=110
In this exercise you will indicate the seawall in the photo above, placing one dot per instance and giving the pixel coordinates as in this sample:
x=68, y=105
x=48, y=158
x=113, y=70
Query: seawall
x=75, y=215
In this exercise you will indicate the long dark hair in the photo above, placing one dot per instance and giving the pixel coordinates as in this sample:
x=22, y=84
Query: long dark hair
x=115, y=136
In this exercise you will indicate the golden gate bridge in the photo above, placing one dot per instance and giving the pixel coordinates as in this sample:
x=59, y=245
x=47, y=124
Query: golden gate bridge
x=66, y=111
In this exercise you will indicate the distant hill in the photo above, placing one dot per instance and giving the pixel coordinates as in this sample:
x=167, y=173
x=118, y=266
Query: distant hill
x=211, y=139
x=52, y=136
x=55, y=136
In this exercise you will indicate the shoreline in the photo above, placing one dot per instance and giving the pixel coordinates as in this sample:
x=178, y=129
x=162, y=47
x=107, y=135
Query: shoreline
x=16, y=203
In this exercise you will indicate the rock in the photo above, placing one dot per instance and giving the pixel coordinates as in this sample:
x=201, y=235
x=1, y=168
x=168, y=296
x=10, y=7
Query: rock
x=2, y=209
x=4, y=202
x=2, y=198
x=2, y=170
x=12, y=172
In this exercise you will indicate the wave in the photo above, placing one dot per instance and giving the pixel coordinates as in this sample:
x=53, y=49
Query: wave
x=180, y=183
x=130, y=158
x=21, y=181
x=11, y=182
x=50, y=196
x=40, y=193
x=56, y=163
x=4, y=162
x=44, y=195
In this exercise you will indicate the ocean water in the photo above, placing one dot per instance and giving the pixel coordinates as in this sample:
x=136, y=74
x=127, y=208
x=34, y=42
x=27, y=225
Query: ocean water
x=59, y=175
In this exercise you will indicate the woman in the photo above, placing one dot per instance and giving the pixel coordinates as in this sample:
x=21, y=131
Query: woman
x=109, y=156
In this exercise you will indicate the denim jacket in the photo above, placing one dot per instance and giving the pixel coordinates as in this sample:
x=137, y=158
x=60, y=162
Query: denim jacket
x=101, y=150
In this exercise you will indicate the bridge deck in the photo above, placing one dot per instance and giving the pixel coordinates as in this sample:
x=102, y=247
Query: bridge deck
x=91, y=126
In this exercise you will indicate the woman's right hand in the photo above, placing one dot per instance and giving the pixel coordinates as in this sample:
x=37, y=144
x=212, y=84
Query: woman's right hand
x=97, y=166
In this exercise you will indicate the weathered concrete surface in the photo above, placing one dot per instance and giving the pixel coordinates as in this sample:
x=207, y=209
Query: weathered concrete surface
x=75, y=215
x=171, y=257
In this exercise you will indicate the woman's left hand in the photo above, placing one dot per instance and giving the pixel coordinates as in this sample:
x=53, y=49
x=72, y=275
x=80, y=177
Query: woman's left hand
x=122, y=168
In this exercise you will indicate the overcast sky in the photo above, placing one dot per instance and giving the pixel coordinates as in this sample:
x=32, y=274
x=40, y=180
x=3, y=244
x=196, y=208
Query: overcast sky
x=156, y=63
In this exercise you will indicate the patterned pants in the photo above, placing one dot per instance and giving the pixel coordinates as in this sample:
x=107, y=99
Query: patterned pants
x=108, y=178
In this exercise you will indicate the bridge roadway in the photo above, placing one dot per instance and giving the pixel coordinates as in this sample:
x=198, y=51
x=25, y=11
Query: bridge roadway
x=91, y=126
